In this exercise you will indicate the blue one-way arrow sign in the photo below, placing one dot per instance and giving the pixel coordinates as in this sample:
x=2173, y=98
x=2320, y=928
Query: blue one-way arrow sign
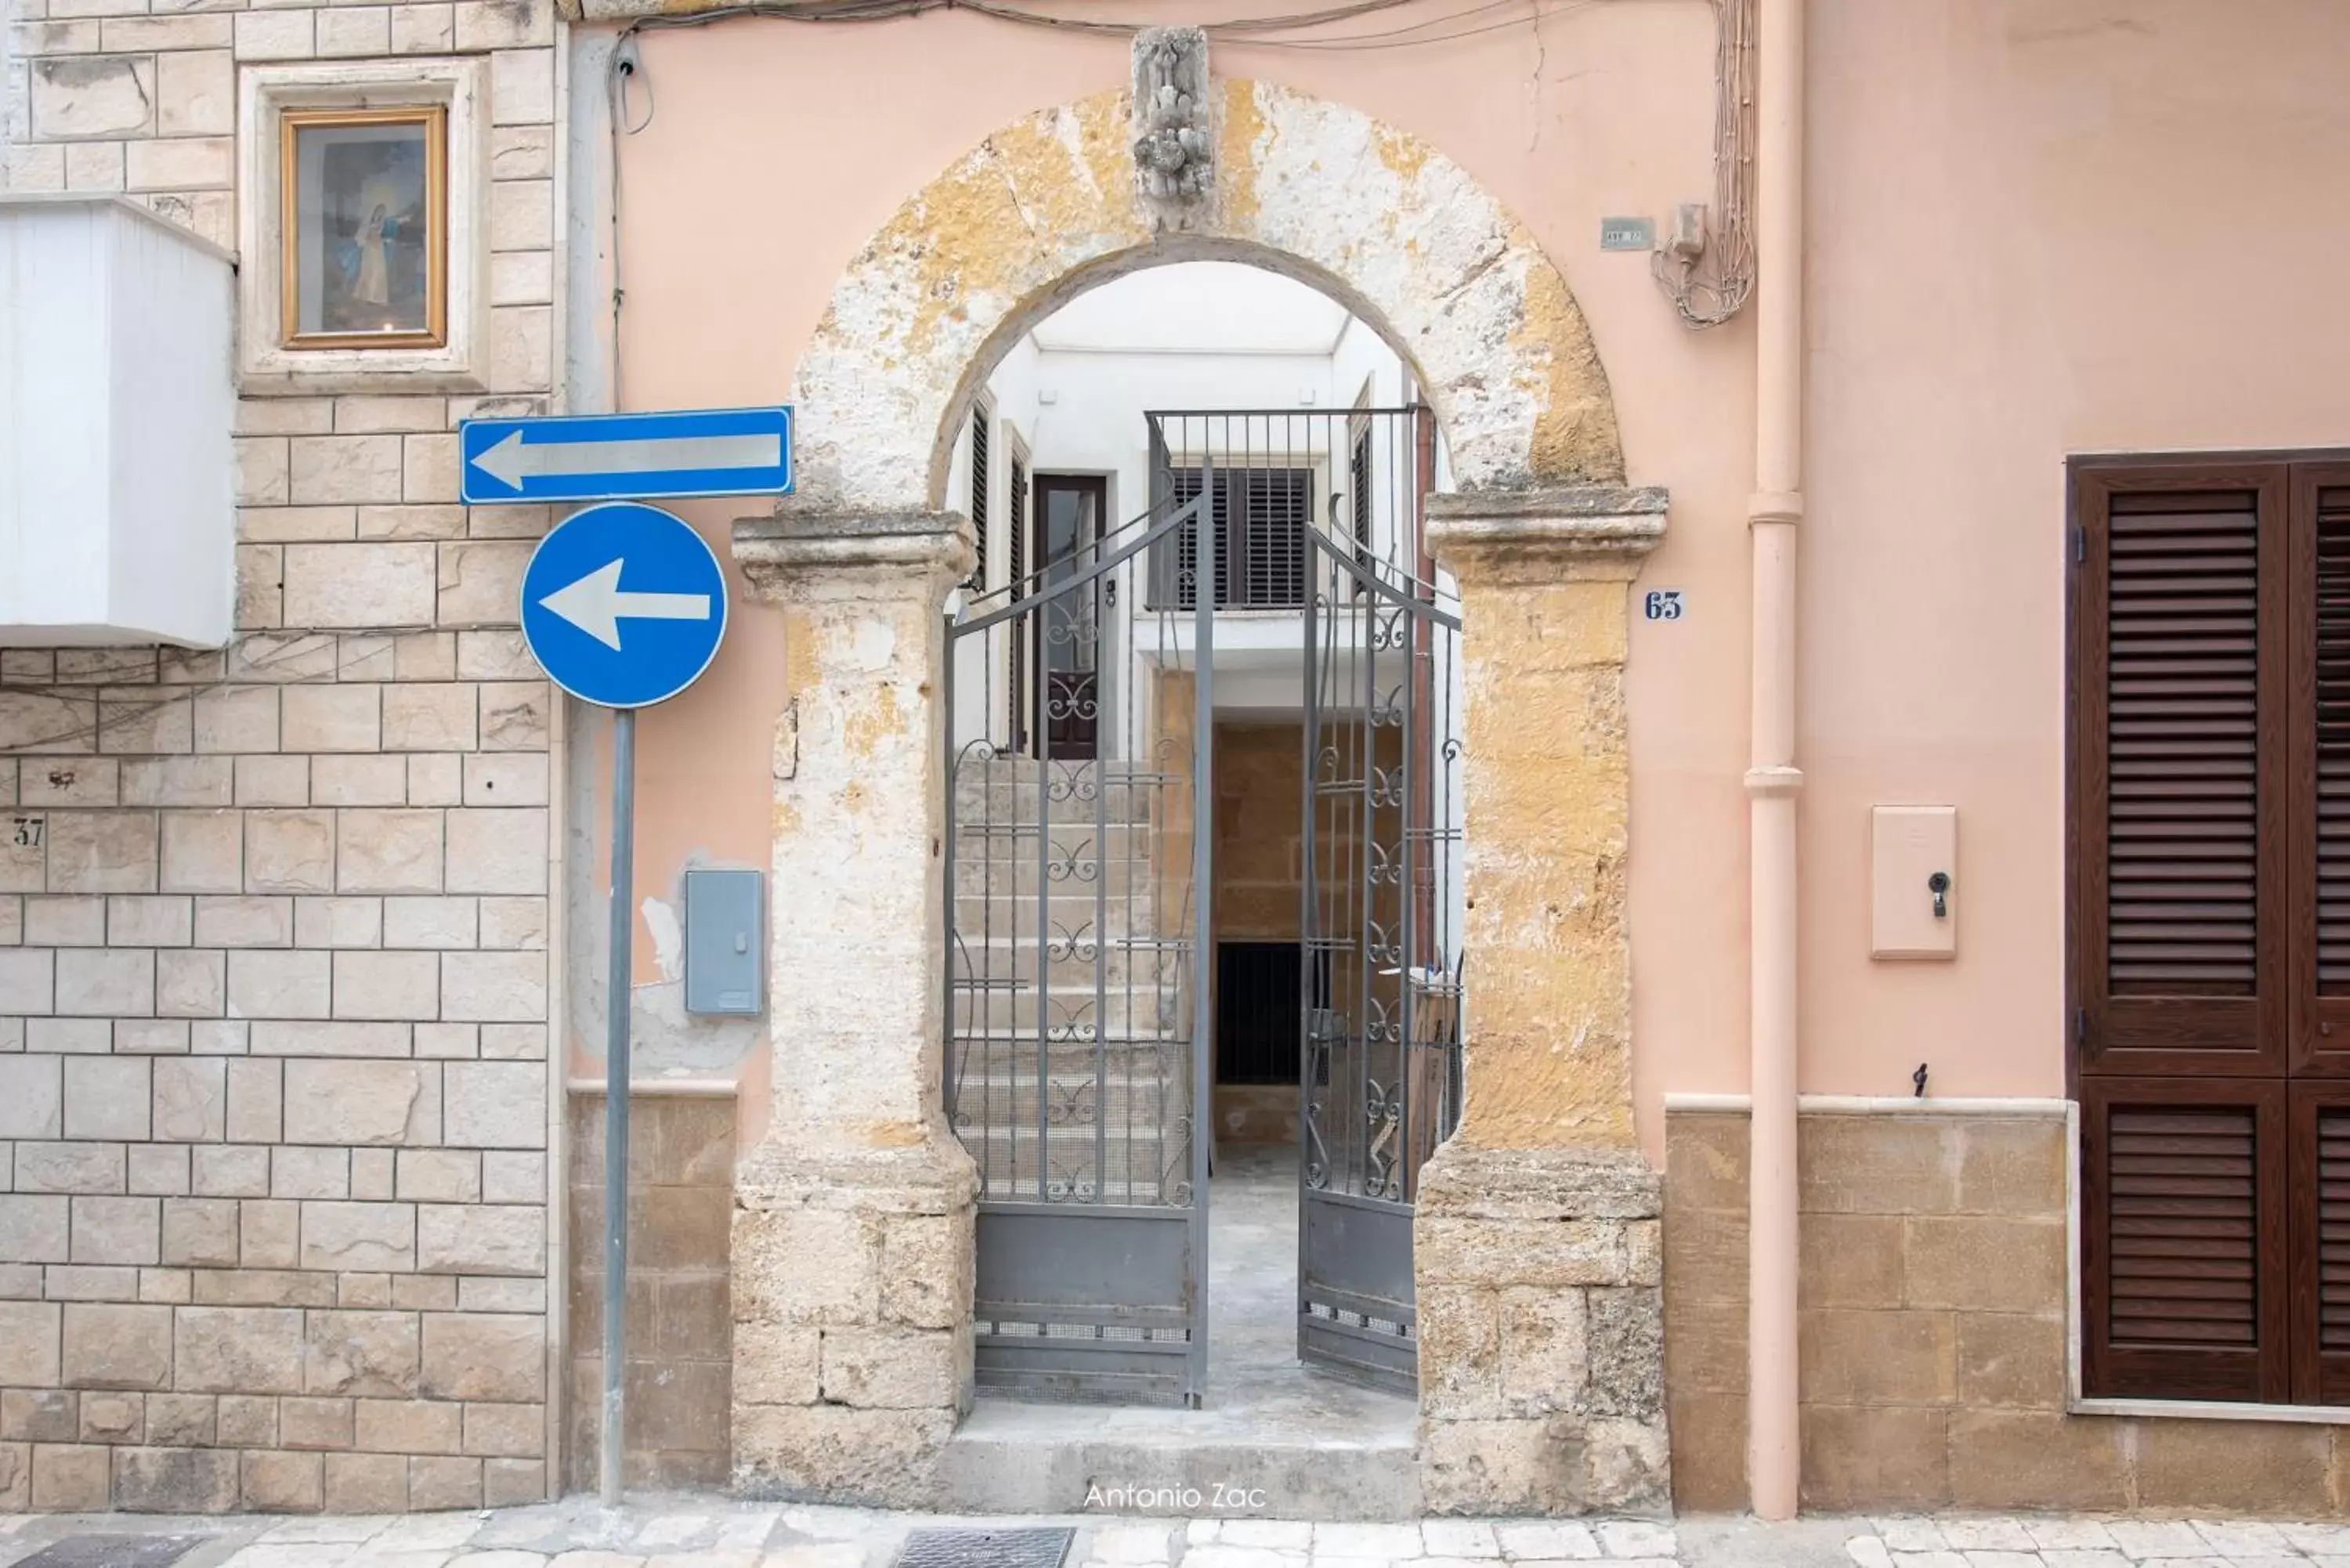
x=626, y=457
x=623, y=605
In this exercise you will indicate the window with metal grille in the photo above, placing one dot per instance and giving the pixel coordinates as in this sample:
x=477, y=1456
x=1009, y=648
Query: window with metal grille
x=2209, y=916
x=1260, y=516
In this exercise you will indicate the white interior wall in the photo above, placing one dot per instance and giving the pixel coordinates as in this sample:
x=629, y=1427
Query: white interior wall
x=1193, y=336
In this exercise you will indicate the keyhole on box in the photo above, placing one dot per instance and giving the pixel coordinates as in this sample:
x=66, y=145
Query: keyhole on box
x=1938, y=884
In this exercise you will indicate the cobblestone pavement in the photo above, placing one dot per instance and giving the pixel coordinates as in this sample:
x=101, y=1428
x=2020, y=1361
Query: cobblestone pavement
x=719, y=1533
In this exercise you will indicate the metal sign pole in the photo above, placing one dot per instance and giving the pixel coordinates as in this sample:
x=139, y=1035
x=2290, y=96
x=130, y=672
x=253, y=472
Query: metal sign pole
x=616, y=1094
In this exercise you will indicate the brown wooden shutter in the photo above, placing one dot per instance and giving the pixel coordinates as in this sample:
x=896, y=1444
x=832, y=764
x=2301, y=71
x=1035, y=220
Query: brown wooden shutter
x=2321, y=769
x=2183, y=1237
x=2178, y=914
x=2319, y=1242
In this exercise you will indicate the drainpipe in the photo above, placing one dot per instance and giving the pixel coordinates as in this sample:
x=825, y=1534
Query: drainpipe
x=1773, y=1444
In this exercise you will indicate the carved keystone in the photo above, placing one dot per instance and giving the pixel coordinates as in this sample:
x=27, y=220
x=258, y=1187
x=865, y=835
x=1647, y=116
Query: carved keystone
x=1174, y=141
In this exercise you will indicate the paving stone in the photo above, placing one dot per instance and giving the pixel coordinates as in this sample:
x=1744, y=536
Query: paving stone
x=1901, y=1533
x=1638, y=1538
x=2240, y=1538
x=2141, y=1539
x=1274, y=1533
x=1547, y=1541
x=1390, y=1542
x=1459, y=1538
x=2069, y=1535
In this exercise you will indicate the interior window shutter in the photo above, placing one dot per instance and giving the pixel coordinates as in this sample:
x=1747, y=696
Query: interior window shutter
x=2183, y=1206
x=2178, y=910
x=980, y=422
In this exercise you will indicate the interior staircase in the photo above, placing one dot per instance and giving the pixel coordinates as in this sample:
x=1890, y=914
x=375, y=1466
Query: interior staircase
x=1069, y=1066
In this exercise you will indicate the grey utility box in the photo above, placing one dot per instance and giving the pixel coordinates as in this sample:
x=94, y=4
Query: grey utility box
x=726, y=945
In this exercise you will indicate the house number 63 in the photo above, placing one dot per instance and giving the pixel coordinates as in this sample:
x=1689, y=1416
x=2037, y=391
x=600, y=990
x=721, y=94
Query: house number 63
x=1662, y=604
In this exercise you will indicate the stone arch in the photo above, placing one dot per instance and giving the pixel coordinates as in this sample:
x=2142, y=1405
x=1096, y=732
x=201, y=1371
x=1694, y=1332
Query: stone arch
x=1044, y=209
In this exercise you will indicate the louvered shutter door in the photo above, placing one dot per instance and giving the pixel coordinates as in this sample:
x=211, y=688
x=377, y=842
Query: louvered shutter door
x=2321, y=769
x=2183, y=1209
x=2178, y=918
x=2319, y=1243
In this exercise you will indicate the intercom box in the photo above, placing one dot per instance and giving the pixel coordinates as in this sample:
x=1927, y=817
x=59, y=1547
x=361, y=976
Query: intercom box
x=1914, y=881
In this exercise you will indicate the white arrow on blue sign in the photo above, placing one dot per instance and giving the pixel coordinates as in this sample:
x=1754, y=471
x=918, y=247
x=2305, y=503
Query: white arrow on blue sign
x=623, y=605
x=626, y=457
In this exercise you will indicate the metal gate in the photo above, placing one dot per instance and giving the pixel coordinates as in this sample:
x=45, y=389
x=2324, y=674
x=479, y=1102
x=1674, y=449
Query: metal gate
x=1380, y=1057
x=1077, y=861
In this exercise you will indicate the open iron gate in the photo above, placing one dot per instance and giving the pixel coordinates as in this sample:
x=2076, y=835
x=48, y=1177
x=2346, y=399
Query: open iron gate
x=1381, y=998
x=1077, y=1040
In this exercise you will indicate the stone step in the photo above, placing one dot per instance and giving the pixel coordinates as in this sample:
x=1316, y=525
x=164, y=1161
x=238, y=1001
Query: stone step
x=1001, y=840
x=1077, y=877
x=1012, y=1012
x=1006, y=1095
x=1127, y=798
x=1014, y=922
x=981, y=960
x=1154, y=1057
x=1012, y=1457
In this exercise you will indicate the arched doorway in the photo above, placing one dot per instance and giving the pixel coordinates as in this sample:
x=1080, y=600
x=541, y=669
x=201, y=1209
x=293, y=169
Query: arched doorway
x=864, y=558
x=1203, y=846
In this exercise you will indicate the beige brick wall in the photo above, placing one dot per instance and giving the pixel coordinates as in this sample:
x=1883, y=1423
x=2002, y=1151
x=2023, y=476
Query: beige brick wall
x=273, y=919
x=1933, y=1335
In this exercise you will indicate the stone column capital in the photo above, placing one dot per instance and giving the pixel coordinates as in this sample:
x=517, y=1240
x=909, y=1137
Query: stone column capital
x=1553, y=533
x=792, y=551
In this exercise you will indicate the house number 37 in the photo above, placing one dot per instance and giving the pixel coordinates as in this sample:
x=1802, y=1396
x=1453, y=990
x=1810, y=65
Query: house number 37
x=25, y=832
x=1662, y=604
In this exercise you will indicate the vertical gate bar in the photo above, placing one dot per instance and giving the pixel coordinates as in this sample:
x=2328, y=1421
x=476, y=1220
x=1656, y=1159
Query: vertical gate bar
x=1309, y=942
x=1204, y=871
x=1044, y=864
x=1101, y=880
x=956, y=1049
x=1408, y=902
x=1366, y=621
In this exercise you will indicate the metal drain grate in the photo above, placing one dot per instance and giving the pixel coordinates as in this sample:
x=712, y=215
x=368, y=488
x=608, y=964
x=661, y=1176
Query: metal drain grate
x=985, y=1549
x=114, y=1551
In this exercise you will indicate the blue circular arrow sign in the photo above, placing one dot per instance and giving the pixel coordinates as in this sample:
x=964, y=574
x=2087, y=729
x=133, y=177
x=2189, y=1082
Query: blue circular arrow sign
x=623, y=605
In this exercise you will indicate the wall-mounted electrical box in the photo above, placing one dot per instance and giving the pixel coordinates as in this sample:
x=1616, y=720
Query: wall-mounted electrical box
x=725, y=941
x=1914, y=881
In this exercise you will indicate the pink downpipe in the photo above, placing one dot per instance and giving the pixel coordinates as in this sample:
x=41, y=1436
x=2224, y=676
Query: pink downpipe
x=1773, y=1454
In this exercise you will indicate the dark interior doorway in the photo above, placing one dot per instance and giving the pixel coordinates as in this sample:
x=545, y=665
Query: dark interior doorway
x=1069, y=511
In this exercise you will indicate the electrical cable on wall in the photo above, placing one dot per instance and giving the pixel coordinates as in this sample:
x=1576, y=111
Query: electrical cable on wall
x=1711, y=285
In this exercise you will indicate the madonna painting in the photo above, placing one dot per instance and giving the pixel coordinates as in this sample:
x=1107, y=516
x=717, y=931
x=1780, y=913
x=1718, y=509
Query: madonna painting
x=364, y=217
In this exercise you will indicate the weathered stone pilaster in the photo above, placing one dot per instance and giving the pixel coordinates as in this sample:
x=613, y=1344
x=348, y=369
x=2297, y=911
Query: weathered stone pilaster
x=1536, y=1243
x=853, y=1217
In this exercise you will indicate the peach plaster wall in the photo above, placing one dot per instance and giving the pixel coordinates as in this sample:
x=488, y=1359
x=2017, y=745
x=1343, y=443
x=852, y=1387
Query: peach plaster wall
x=2032, y=228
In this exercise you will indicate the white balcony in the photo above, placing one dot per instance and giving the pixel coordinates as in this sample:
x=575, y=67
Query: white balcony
x=118, y=508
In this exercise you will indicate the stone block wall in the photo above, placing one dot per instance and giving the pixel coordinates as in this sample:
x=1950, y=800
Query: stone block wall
x=680, y=1386
x=274, y=918
x=1933, y=1321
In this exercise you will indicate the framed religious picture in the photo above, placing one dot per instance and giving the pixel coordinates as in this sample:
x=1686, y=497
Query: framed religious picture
x=364, y=215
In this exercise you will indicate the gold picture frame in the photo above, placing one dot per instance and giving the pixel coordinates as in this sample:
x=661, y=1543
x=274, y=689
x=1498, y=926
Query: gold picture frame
x=363, y=227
